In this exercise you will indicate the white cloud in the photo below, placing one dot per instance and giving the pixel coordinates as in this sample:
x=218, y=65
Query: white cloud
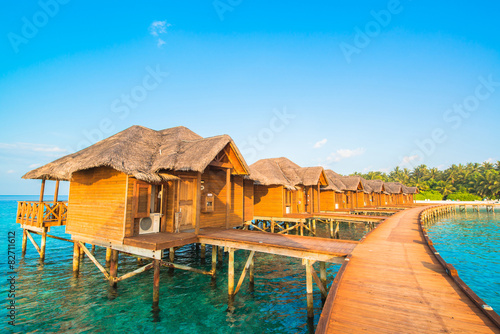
x=345, y=154
x=158, y=28
x=490, y=160
x=408, y=159
x=384, y=170
x=11, y=171
x=32, y=147
x=34, y=165
x=320, y=143
x=367, y=169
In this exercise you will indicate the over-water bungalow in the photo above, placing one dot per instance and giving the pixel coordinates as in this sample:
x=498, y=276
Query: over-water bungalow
x=395, y=190
x=283, y=187
x=333, y=196
x=378, y=195
x=141, y=182
x=408, y=193
x=355, y=191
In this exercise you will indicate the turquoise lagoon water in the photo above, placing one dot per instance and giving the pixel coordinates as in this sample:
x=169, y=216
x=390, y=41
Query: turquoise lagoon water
x=471, y=243
x=49, y=299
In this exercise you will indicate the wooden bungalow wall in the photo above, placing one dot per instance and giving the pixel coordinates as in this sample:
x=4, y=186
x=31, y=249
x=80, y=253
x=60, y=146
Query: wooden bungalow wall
x=268, y=201
x=96, y=204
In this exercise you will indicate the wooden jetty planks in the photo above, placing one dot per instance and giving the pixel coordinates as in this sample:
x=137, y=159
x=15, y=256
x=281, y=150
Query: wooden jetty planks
x=164, y=240
x=320, y=249
x=394, y=284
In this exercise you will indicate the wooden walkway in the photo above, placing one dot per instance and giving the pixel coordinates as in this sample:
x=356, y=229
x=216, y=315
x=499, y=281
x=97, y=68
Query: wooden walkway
x=312, y=248
x=394, y=284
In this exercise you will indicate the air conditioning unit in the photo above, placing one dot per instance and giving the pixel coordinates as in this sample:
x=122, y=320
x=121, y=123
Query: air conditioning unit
x=150, y=224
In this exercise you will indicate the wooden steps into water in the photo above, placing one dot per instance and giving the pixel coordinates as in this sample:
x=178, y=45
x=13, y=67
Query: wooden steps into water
x=393, y=283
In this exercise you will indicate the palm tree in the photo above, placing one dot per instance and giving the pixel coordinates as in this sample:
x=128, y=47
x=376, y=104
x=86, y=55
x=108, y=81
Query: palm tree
x=445, y=188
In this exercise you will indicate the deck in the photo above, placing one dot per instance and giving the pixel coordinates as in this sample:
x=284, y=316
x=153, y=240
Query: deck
x=335, y=216
x=394, y=284
x=162, y=240
x=312, y=248
x=317, y=249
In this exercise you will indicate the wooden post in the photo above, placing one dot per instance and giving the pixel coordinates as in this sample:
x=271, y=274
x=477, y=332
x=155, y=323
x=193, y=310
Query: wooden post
x=322, y=275
x=42, y=190
x=220, y=254
x=228, y=196
x=251, y=275
x=171, y=254
x=156, y=282
x=23, y=245
x=108, y=257
x=43, y=244
x=56, y=192
x=309, y=289
x=301, y=227
x=214, y=259
x=197, y=208
x=76, y=259
x=113, y=268
x=203, y=251
x=331, y=229
x=93, y=249
x=230, y=273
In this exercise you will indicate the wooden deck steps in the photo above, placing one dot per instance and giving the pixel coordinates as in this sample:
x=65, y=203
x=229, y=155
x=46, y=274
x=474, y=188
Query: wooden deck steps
x=394, y=284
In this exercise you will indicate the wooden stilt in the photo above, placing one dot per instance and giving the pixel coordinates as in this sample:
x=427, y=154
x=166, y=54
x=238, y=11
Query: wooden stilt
x=230, y=273
x=301, y=227
x=93, y=249
x=156, y=282
x=214, y=259
x=171, y=254
x=81, y=252
x=108, y=257
x=309, y=290
x=113, y=268
x=43, y=244
x=337, y=231
x=322, y=273
x=203, y=251
x=76, y=259
x=24, y=243
x=220, y=254
x=245, y=269
x=251, y=275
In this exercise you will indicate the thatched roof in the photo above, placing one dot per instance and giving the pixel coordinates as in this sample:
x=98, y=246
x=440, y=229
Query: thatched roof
x=143, y=153
x=413, y=190
x=353, y=183
x=394, y=187
x=376, y=185
x=284, y=172
x=334, y=181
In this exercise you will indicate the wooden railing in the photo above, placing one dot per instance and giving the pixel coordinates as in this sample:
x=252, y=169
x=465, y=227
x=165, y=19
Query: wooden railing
x=42, y=214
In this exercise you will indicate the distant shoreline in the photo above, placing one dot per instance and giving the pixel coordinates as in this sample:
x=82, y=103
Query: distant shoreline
x=461, y=202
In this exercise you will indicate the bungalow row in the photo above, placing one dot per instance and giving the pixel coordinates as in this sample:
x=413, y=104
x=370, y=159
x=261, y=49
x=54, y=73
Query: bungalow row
x=142, y=181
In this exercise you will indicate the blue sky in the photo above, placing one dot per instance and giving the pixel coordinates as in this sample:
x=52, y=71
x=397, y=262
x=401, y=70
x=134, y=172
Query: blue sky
x=353, y=86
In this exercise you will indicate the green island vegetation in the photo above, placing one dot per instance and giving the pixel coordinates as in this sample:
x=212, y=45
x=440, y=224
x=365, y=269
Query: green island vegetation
x=470, y=182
